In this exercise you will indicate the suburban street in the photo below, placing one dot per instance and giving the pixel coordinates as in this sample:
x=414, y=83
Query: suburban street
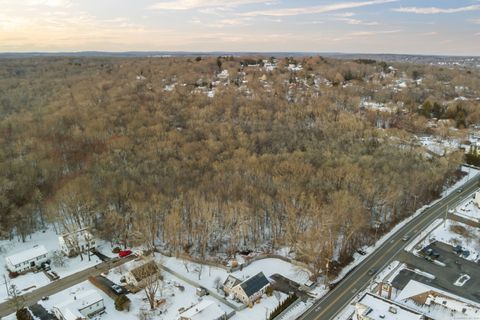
x=7, y=308
x=358, y=279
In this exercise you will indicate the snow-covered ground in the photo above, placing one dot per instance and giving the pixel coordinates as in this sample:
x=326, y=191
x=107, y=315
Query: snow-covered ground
x=31, y=281
x=469, y=210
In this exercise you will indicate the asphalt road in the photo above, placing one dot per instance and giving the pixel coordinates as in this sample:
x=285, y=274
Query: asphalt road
x=336, y=300
x=31, y=298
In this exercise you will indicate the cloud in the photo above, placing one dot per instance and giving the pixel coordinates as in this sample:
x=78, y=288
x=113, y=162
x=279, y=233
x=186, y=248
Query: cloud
x=316, y=9
x=436, y=10
x=198, y=4
x=356, y=22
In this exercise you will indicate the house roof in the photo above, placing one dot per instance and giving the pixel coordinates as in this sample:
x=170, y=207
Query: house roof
x=145, y=270
x=205, y=310
x=70, y=309
x=231, y=282
x=254, y=284
x=26, y=255
x=438, y=304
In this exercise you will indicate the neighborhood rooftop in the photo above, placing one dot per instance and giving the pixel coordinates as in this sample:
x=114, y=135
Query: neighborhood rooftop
x=205, y=310
x=377, y=308
x=26, y=255
x=254, y=284
x=70, y=308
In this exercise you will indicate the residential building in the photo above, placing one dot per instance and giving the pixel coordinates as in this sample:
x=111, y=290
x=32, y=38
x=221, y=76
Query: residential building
x=141, y=275
x=76, y=242
x=26, y=260
x=229, y=284
x=251, y=289
x=437, y=304
x=373, y=307
x=205, y=310
x=83, y=306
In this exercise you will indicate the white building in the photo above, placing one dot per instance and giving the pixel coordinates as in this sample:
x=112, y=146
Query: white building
x=76, y=242
x=83, y=306
x=437, y=304
x=26, y=260
x=373, y=307
x=205, y=310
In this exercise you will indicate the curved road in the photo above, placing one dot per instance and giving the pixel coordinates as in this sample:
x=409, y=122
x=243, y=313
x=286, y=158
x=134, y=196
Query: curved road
x=336, y=300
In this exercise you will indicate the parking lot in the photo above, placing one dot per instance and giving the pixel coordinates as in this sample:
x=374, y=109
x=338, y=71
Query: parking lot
x=445, y=276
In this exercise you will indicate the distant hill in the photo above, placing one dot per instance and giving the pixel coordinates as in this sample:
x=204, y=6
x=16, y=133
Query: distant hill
x=470, y=61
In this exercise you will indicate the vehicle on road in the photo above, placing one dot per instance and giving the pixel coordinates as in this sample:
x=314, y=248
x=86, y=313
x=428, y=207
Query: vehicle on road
x=451, y=211
x=405, y=237
x=361, y=252
x=124, y=253
x=45, y=298
x=459, y=190
x=428, y=258
x=372, y=271
x=117, y=289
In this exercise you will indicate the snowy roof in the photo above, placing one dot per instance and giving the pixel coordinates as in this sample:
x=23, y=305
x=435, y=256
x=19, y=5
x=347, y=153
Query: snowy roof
x=374, y=307
x=254, y=284
x=205, y=310
x=231, y=282
x=70, y=309
x=436, y=303
x=27, y=255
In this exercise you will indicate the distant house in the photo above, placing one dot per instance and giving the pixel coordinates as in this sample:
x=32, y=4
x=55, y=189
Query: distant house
x=205, y=310
x=76, y=242
x=83, y=306
x=251, y=289
x=141, y=275
x=26, y=260
x=230, y=283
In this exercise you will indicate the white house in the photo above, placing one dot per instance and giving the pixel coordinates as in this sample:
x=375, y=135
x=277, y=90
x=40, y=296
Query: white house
x=76, y=242
x=83, y=306
x=205, y=310
x=26, y=260
x=251, y=289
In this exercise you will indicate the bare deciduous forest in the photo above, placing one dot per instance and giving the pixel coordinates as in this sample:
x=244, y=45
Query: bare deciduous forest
x=275, y=159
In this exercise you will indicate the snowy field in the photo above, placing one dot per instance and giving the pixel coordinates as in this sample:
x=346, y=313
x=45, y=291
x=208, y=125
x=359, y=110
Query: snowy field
x=31, y=281
x=468, y=210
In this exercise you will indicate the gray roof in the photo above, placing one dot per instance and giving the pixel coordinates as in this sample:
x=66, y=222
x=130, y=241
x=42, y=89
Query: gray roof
x=254, y=284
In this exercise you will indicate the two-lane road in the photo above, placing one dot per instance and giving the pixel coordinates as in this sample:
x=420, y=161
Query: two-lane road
x=358, y=279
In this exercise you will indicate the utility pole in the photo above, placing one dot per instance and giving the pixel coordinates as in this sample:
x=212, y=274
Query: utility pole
x=6, y=284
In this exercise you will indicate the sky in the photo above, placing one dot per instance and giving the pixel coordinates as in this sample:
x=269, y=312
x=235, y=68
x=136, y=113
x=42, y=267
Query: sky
x=449, y=27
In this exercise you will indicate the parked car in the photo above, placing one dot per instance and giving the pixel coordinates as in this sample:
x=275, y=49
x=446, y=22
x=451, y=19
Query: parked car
x=201, y=292
x=459, y=190
x=428, y=258
x=372, y=271
x=117, y=289
x=124, y=253
x=45, y=298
